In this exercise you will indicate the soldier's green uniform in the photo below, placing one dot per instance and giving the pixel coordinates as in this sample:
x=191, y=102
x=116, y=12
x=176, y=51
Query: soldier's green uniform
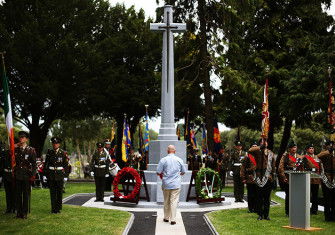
x=236, y=158
x=8, y=180
x=24, y=170
x=56, y=167
x=223, y=164
x=100, y=166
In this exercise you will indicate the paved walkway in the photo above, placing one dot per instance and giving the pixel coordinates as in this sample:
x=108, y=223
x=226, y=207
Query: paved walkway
x=149, y=215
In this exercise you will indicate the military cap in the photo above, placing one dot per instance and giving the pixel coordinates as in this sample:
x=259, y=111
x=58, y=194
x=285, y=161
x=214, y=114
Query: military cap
x=107, y=141
x=238, y=143
x=100, y=145
x=310, y=145
x=292, y=144
x=56, y=140
x=23, y=134
x=253, y=143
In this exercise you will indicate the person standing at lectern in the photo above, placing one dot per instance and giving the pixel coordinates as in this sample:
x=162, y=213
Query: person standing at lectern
x=170, y=169
x=288, y=162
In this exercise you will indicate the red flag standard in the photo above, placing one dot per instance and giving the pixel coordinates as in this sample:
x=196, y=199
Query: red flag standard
x=265, y=112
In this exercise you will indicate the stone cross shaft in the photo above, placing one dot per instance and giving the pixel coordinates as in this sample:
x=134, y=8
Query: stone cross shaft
x=167, y=129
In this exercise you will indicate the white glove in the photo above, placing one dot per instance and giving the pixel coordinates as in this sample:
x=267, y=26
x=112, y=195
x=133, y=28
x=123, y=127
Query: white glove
x=230, y=173
x=92, y=173
x=65, y=179
x=107, y=175
x=44, y=178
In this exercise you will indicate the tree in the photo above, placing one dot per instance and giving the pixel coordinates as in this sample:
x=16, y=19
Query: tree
x=205, y=25
x=128, y=62
x=49, y=51
x=294, y=39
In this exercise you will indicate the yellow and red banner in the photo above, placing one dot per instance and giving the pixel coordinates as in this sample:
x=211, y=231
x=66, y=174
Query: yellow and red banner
x=265, y=112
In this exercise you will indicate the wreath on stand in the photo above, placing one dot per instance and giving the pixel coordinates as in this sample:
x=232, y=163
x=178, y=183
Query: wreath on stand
x=122, y=174
x=207, y=175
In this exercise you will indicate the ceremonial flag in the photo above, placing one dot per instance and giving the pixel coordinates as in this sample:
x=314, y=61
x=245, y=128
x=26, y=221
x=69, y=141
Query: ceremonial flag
x=178, y=132
x=217, y=138
x=126, y=142
x=331, y=102
x=193, y=139
x=8, y=112
x=204, y=140
x=187, y=128
x=140, y=138
x=112, y=133
x=146, y=133
x=265, y=112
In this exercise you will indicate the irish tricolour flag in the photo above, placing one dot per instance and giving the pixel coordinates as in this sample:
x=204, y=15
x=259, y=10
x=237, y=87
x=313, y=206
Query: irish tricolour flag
x=8, y=112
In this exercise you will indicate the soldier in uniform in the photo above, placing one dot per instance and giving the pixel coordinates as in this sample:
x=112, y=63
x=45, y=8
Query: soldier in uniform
x=247, y=175
x=56, y=166
x=313, y=162
x=236, y=157
x=99, y=169
x=223, y=163
x=24, y=171
x=109, y=179
x=264, y=161
x=288, y=162
x=8, y=179
x=327, y=173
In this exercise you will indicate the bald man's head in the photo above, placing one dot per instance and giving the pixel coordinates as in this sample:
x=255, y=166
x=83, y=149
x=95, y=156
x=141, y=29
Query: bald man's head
x=171, y=149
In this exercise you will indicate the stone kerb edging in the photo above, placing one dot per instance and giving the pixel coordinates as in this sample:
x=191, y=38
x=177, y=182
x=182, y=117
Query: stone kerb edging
x=129, y=224
x=210, y=225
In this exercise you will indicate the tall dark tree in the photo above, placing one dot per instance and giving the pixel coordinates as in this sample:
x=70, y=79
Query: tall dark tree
x=48, y=44
x=129, y=61
x=294, y=39
x=205, y=26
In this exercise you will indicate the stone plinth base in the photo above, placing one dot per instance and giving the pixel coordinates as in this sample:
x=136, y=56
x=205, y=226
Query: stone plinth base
x=154, y=184
x=158, y=150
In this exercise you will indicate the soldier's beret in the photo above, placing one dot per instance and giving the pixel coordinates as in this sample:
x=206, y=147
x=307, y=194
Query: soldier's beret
x=310, y=145
x=56, y=140
x=23, y=134
x=238, y=143
x=292, y=144
x=100, y=145
x=107, y=141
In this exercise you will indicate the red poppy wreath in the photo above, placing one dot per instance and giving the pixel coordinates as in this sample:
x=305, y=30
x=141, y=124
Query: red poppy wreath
x=122, y=173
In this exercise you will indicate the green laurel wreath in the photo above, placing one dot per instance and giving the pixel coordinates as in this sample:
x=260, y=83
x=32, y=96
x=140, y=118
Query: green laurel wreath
x=205, y=192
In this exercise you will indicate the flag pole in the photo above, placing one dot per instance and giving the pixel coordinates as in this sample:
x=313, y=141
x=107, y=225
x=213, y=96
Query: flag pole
x=331, y=105
x=8, y=111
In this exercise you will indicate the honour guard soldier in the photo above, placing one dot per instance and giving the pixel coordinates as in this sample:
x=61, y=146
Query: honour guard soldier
x=8, y=180
x=24, y=170
x=236, y=157
x=288, y=162
x=109, y=179
x=313, y=163
x=99, y=169
x=264, y=178
x=327, y=173
x=247, y=175
x=223, y=162
x=56, y=166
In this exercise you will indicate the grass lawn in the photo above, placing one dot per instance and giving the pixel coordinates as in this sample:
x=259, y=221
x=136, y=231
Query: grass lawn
x=238, y=221
x=72, y=219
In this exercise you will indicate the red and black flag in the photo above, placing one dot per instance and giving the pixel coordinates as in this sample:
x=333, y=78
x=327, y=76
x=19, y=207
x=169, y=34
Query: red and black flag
x=217, y=138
